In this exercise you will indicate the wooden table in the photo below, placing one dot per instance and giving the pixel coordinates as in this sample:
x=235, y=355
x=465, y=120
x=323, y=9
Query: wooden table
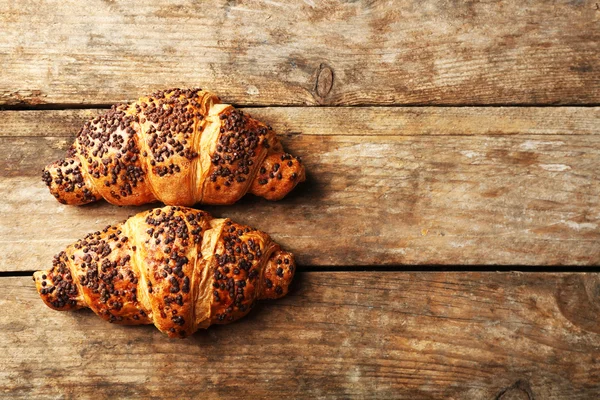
x=448, y=234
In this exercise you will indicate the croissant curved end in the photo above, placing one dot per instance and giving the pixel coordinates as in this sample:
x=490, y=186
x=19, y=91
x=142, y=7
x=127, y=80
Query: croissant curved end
x=67, y=184
x=57, y=289
x=278, y=275
x=277, y=176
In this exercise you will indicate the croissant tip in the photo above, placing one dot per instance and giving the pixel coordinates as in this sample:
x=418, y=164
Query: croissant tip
x=278, y=175
x=278, y=275
x=66, y=182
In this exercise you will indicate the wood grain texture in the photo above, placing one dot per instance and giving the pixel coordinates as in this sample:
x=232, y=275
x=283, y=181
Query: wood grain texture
x=299, y=53
x=341, y=334
x=419, y=196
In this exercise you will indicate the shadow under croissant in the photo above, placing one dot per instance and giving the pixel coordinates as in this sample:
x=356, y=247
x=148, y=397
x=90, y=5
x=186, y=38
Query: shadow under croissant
x=253, y=321
x=305, y=193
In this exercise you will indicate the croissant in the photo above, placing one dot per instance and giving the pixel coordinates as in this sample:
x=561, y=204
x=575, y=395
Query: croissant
x=180, y=147
x=175, y=267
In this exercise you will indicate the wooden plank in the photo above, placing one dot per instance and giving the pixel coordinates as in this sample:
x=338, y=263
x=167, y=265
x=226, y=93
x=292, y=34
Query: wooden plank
x=520, y=194
x=294, y=53
x=337, y=334
x=361, y=121
x=385, y=200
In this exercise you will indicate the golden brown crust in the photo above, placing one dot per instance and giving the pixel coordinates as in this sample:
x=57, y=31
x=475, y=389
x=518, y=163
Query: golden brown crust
x=56, y=286
x=180, y=147
x=108, y=150
x=68, y=184
x=277, y=274
x=242, y=144
x=278, y=175
x=170, y=240
x=107, y=276
x=100, y=267
x=172, y=123
x=175, y=267
x=239, y=257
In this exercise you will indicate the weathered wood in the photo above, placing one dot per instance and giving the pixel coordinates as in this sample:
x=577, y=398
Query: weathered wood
x=343, y=334
x=55, y=122
x=312, y=52
x=424, y=198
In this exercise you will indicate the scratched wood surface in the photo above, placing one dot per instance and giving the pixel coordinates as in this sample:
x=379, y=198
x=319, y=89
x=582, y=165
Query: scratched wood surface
x=386, y=186
x=337, y=334
x=297, y=53
x=411, y=161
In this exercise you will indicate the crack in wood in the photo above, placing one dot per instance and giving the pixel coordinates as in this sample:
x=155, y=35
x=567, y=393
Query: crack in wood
x=517, y=390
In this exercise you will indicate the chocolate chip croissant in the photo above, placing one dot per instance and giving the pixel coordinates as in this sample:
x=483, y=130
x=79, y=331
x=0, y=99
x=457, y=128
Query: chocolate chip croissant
x=180, y=147
x=174, y=267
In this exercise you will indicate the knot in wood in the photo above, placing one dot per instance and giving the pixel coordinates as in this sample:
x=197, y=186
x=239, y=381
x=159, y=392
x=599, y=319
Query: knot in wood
x=578, y=299
x=324, y=81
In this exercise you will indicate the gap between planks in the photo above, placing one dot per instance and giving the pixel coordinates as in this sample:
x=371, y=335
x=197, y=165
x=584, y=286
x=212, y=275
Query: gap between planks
x=106, y=106
x=517, y=269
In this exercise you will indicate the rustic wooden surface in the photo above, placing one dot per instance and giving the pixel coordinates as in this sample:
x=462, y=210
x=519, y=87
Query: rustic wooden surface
x=412, y=164
x=296, y=53
x=380, y=335
x=442, y=186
